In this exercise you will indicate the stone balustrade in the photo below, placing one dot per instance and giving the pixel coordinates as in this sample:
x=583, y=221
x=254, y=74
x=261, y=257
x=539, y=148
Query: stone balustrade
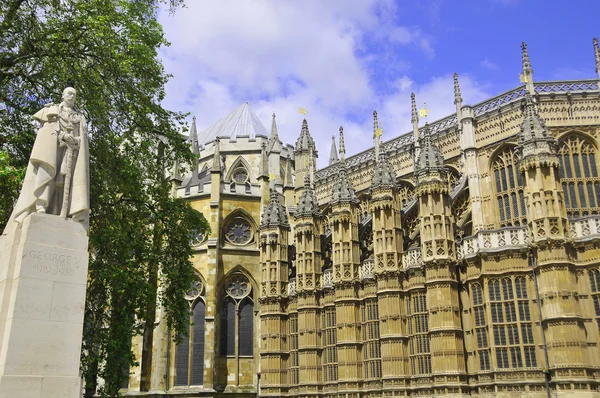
x=491, y=241
x=584, y=229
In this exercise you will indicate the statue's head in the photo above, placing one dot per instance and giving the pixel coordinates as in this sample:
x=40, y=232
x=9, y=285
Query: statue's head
x=68, y=96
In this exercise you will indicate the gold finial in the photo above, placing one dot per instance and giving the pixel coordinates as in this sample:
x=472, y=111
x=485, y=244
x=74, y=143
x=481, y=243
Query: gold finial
x=302, y=111
x=272, y=176
x=423, y=112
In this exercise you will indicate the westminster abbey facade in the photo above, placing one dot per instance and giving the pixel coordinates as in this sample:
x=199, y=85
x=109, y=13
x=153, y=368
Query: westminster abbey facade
x=462, y=258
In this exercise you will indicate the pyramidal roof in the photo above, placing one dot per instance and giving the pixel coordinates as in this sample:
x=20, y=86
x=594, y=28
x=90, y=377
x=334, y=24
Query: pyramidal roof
x=241, y=121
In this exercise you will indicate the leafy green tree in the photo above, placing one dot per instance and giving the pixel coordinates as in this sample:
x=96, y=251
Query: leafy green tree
x=139, y=233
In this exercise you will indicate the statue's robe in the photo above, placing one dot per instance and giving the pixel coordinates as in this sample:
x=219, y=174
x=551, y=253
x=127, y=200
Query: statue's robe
x=44, y=177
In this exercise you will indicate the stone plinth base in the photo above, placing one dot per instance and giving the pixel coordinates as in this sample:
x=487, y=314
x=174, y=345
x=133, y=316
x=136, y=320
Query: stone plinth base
x=43, y=275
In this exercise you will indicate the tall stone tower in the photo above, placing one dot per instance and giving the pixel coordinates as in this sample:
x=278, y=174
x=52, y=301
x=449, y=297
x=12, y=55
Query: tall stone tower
x=439, y=262
x=307, y=234
x=346, y=263
x=274, y=229
x=562, y=318
x=387, y=251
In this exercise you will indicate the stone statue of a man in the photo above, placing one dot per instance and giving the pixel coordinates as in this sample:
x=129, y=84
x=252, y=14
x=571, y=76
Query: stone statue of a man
x=57, y=177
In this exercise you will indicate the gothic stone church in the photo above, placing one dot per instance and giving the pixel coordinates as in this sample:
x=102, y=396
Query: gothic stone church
x=462, y=258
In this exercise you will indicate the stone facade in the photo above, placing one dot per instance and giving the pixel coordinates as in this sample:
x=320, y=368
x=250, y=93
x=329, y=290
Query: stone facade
x=460, y=259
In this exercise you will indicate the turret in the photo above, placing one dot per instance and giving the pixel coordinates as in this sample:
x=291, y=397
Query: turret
x=274, y=265
x=546, y=211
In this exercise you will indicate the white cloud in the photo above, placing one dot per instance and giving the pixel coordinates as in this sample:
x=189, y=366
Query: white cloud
x=280, y=56
x=487, y=64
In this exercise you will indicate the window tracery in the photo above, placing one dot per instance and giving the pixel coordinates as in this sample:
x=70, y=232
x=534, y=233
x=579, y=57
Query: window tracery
x=594, y=276
x=418, y=331
x=511, y=323
x=579, y=176
x=481, y=331
x=509, y=189
x=406, y=193
x=371, y=347
x=237, y=317
x=330, y=365
x=189, y=353
x=238, y=231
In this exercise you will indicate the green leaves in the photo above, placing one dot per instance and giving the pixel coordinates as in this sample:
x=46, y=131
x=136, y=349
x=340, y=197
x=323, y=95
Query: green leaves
x=139, y=234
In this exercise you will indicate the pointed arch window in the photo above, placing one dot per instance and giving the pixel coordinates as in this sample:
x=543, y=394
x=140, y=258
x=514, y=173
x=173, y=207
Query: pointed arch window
x=237, y=317
x=579, y=176
x=509, y=189
x=481, y=330
x=594, y=275
x=189, y=353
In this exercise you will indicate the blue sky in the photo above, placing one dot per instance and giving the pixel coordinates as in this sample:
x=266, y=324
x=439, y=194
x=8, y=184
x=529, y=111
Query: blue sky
x=340, y=59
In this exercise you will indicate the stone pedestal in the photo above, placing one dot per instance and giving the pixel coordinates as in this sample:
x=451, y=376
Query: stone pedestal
x=43, y=275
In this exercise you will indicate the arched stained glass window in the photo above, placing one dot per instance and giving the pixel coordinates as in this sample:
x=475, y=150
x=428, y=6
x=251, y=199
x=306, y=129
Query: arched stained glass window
x=237, y=317
x=509, y=189
x=189, y=354
x=579, y=176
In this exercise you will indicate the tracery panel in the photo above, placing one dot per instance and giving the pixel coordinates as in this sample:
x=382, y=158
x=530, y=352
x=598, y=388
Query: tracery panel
x=371, y=347
x=511, y=323
x=189, y=353
x=418, y=331
x=508, y=184
x=594, y=276
x=330, y=366
x=579, y=176
x=481, y=330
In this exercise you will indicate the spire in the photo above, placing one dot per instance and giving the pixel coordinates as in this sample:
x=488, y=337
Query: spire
x=307, y=204
x=274, y=134
x=376, y=134
x=343, y=191
x=274, y=214
x=414, y=119
x=194, y=137
x=216, y=166
x=457, y=100
x=597, y=56
x=342, y=146
x=384, y=175
x=333, y=156
x=527, y=75
x=430, y=157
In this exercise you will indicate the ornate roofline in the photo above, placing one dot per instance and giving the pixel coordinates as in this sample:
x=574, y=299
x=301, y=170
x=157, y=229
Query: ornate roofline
x=479, y=109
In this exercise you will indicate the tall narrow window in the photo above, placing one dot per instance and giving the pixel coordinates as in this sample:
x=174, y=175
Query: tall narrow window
x=594, y=275
x=511, y=323
x=481, y=331
x=330, y=367
x=509, y=189
x=418, y=330
x=579, y=177
x=189, y=354
x=371, y=347
x=237, y=317
x=293, y=333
